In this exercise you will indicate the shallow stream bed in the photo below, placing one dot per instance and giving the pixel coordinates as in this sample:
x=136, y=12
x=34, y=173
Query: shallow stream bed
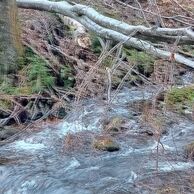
x=36, y=162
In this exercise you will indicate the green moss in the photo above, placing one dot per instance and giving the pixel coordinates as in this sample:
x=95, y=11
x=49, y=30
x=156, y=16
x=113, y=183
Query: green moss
x=67, y=77
x=24, y=90
x=7, y=87
x=39, y=75
x=21, y=61
x=5, y=104
x=108, y=61
x=144, y=62
x=95, y=46
x=36, y=76
x=188, y=49
x=178, y=98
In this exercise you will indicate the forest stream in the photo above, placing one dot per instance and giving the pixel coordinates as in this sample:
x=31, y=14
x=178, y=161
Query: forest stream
x=96, y=97
x=37, y=163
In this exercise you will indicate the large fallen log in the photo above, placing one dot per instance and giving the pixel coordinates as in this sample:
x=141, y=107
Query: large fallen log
x=117, y=30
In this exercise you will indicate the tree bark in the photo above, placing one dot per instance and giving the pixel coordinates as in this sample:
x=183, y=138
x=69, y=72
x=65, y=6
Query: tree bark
x=9, y=38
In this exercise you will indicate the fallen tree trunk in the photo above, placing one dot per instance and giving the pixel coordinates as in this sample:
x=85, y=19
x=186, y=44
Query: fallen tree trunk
x=117, y=30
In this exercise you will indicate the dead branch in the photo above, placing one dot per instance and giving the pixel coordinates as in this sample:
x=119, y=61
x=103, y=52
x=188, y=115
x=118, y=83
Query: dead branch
x=117, y=30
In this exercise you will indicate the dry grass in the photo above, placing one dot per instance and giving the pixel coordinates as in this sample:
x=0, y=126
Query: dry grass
x=73, y=142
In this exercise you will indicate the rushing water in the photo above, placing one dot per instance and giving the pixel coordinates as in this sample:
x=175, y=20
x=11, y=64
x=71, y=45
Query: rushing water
x=35, y=163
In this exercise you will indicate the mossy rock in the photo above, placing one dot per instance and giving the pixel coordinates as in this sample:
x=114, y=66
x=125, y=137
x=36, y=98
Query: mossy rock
x=167, y=190
x=189, y=150
x=113, y=125
x=105, y=144
x=179, y=98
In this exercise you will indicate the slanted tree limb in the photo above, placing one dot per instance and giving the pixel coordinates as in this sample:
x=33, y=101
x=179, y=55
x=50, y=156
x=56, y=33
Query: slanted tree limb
x=117, y=30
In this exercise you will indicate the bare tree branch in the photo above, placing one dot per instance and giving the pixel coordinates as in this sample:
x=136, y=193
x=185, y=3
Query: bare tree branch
x=117, y=30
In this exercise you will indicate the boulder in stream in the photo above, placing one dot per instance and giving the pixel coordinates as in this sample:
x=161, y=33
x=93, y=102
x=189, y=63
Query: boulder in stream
x=105, y=144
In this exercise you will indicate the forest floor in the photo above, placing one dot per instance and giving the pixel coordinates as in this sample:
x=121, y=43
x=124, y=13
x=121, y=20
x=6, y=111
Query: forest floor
x=55, y=70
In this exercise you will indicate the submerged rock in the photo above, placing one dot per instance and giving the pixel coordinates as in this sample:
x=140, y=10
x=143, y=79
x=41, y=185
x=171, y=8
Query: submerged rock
x=106, y=144
x=4, y=161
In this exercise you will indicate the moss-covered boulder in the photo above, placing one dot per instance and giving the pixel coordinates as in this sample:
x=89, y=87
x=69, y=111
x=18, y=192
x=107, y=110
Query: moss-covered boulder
x=105, y=144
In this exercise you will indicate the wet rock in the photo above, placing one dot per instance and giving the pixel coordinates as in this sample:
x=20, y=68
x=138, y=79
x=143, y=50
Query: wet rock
x=164, y=131
x=7, y=132
x=148, y=132
x=3, y=114
x=135, y=114
x=189, y=151
x=23, y=116
x=37, y=116
x=60, y=113
x=106, y=144
x=182, y=70
x=161, y=96
x=188, y=112
x=4, y=161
